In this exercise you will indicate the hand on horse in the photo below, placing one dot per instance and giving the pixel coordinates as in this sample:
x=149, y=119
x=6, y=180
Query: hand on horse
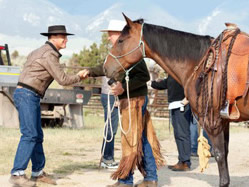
x=184, y=101
x=83, y=73
x=117, y=89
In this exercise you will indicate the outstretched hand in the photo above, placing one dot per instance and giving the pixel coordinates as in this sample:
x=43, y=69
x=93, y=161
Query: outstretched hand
x=83, y=73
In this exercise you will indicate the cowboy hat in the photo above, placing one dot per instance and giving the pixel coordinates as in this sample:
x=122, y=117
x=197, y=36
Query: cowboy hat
x=115, y=25
x=56, y=29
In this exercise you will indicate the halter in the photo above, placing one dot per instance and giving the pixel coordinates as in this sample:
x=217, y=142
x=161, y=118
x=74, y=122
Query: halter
x=130, y=52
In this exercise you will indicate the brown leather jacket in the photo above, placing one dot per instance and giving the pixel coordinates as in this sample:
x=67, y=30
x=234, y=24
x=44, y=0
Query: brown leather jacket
x=42, y=67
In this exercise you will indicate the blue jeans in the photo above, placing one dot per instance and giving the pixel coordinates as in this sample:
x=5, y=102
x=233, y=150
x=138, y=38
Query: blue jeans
x=148, y=158
x=30, y=146
x=194, y=136
x=109, y=147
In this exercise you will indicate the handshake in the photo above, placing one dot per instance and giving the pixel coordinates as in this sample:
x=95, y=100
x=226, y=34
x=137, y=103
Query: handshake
x=116, y=89
x=83, y=74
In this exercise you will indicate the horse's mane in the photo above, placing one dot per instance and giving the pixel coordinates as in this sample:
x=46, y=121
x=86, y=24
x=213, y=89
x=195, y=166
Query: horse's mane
x=173, y=44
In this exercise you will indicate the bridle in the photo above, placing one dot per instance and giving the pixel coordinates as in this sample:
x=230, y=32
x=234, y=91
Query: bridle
x=141, y=42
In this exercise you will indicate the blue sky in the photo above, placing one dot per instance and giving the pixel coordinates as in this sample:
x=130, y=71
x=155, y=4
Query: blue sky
x=182, y=9
x=85, y=18
x=185, y=13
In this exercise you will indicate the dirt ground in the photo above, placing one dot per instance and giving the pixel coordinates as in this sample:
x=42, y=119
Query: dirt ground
x=238, y=166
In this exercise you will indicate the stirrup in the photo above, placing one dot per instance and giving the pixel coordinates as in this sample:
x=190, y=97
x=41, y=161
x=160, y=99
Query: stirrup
x=226, y=113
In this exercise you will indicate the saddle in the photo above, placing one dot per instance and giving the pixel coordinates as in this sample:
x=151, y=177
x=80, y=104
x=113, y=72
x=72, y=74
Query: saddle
x=228, y=56
x=234, y=48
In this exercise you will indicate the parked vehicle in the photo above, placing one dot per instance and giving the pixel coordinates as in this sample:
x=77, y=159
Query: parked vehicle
x=58, y=107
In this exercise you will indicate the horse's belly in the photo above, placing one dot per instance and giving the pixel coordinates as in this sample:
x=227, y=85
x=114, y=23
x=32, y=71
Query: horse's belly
x=243, y=106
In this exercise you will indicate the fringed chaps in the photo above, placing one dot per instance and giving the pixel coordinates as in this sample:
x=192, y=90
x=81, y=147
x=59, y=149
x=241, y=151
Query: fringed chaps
x=131, y=140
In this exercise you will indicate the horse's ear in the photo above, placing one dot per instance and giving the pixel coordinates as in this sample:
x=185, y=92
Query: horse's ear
x=128, y=20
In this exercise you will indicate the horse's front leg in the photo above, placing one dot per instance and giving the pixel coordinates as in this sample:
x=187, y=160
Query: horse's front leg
x=220, y=145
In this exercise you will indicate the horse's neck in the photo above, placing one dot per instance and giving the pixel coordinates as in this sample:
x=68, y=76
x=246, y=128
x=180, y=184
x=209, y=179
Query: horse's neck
x=163, y=47
x=180, y=71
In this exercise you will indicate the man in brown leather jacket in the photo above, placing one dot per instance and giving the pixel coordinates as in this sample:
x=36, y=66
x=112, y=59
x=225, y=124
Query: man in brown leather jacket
x=41, y=68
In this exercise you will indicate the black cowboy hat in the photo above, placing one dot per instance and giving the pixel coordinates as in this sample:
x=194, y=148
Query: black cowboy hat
x=56, y=29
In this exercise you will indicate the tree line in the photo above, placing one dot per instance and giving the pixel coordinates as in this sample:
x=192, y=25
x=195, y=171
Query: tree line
x=92, y=56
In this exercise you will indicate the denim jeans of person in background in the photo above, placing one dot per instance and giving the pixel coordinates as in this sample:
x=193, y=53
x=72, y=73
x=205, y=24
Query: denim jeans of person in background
x=181, y=125
x=194, y=136
x=30, y=146
x=109, y=147
x=148, y=158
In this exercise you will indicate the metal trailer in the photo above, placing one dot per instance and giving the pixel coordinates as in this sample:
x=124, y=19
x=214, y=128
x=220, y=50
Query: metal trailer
x=58, y=107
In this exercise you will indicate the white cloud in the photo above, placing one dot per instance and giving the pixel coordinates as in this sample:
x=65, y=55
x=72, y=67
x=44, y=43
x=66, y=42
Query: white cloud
x=77, y=27
x=75, y=45
x=31, y=18
x=228, y=11
x=22, y=45
x=53, y=20
x=103, y=17
x=55, y=10
x=206, y=21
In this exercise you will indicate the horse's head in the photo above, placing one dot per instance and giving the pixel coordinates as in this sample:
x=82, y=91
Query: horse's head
x=128, y=49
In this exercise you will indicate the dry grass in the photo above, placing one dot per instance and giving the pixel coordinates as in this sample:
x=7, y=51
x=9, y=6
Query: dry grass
x=71, y=150
x=68, y=150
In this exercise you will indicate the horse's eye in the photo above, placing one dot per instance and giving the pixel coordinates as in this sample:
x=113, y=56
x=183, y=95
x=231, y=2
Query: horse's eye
x=120, y=41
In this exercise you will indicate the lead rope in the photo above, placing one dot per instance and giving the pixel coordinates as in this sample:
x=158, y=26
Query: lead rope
x=108, y=121
x=109, y=112
x=116, y=98
x=129, y=104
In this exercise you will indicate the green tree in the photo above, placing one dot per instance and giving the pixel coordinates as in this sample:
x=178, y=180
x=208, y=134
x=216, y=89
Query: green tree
x=92, y=56
x=15, y=54
x=87, y=57
x=104, y=46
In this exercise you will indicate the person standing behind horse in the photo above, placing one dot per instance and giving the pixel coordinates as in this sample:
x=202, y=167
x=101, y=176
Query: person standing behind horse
x=114, y=29
x=181, y=116
x=41, y=68
x=137, y=137
x=194, y=137
x=107, y=150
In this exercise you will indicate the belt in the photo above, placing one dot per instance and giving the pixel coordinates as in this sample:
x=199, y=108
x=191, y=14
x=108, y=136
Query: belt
x=22, y=85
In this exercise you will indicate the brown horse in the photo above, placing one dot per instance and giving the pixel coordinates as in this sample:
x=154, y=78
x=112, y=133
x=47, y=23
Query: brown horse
x=179, y=54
